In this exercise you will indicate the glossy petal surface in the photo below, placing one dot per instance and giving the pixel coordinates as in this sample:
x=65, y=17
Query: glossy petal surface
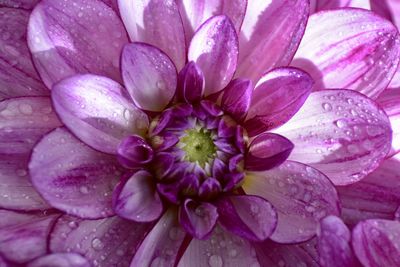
x=60, y=260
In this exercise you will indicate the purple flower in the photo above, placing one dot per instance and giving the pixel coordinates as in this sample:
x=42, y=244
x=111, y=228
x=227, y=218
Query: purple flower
x=213, y=151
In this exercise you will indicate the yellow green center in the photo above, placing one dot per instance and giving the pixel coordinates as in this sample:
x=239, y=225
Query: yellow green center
x=198, y=146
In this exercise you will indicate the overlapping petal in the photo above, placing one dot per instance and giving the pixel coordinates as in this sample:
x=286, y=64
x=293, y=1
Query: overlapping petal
x=319, y=5
x=67, y=39
x=341, y=133
x=60, y=260
x=349, y=48
x=23, y=4
x=236, y=99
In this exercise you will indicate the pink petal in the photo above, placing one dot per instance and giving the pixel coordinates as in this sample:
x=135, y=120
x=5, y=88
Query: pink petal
x=23, y=4
x=23, y=236
x=236, y=98
x=270, y=35
x=162, y=243
x=23, y=121
x=377, y=243
x=73, y=177
x=105, y=242
x=67, y=39
x=98, y=111
x=375, y=196
x=349, y=48
x=196, y=12
x=395, y=82
x=318, y=5
x=389, y=9
x=60, y=260
x=334, y=244
x=301, y=196
x=17, y=74
x=156, y=22
x=149, y=75
x=278, y=95
x=389, y=100
x=190, y=84
x=221, y=249
x=214, y=48
x=341, y=133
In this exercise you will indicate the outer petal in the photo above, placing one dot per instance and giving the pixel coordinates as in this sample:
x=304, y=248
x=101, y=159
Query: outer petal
x=341, y=133
x=375, y=196
x=278, y=95
x=68, y=39
x=17, y=74
x=270, y=35
x=334, y=244
x=162, y=243
x=98, y=111
x=377, y=243
x=73, y=177
x=23, y=236
x=156, y=22
x=149, y=75
x=23, y=4
x=60, y=260
x=301, y=196
x=23, y=121
x=214, y=48
x=318, y=5
x=349, y=48
x=106, y=242
x=196, y=12
x=221, y=249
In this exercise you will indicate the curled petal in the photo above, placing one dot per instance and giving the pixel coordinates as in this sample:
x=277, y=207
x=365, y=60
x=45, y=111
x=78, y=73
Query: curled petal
x=236, y=98
x=134, y=152
x=190, y=83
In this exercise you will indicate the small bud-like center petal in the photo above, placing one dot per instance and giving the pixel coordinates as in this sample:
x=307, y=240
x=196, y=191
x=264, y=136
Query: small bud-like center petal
x=198, y=146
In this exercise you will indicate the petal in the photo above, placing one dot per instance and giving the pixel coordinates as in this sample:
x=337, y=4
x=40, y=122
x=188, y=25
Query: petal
x=349, y=48
x=250, y=217
x=335, y=4
x=375, y=196
x=278, y=95
x=377, y=243
x=98, y=111
x=158, y=23
x=334, y=244
x=190, y=83
x=138, y=199
x=270, y=35
x=162, y=243
x=267, y=151
x=134, y=152
x=23, y=236
x=341, y=133
x=214, y=48
x=236, y=98
x=198, y=219
x=196, y=12
x=17, y=74
x=73, y=177
x=105, y=242
x=389, y=100
x=23, y=4
x=149, y=75
x=301, y=196
x=23, y=121
x=67, y=39
x=222, y=249
x=60, y=260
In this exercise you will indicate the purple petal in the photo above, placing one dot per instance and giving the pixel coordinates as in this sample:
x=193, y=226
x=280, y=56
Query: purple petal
x=98, y=111
x=377, y=243
x=23, y=236
x=105, y=242
x=236, y=98
x=22, y=4
x=209, y=188
x=319, y=5
x=23, y=121
x=17, y=74
x=349, y=48
x=341, y=133
x=190, y=83
x=67, y=39
x=270, y=35
x=214, y=48
x=334, y=244
x=162, y=243
x=73, y=177
x=149, y=75
x=278, y=95
x=158, y=23
x=222, y=249
x=60, y=260
x=250, y=217
x=267, y=151
x=198, y=219
x=134, y=152
x=138, y=199
x=301, y=195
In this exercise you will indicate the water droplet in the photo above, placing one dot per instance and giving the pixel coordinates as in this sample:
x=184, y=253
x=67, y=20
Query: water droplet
x=73, y=224
x=327, y=106
x=341, y=123
x=84, y=189
x=26, y=109
x=215, y=261
x=97, y=244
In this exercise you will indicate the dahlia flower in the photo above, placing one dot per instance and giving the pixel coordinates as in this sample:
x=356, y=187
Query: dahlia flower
x=190, y=133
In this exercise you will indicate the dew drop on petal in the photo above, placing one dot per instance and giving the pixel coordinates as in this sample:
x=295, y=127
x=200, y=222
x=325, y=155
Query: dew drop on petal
x=215, y=261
